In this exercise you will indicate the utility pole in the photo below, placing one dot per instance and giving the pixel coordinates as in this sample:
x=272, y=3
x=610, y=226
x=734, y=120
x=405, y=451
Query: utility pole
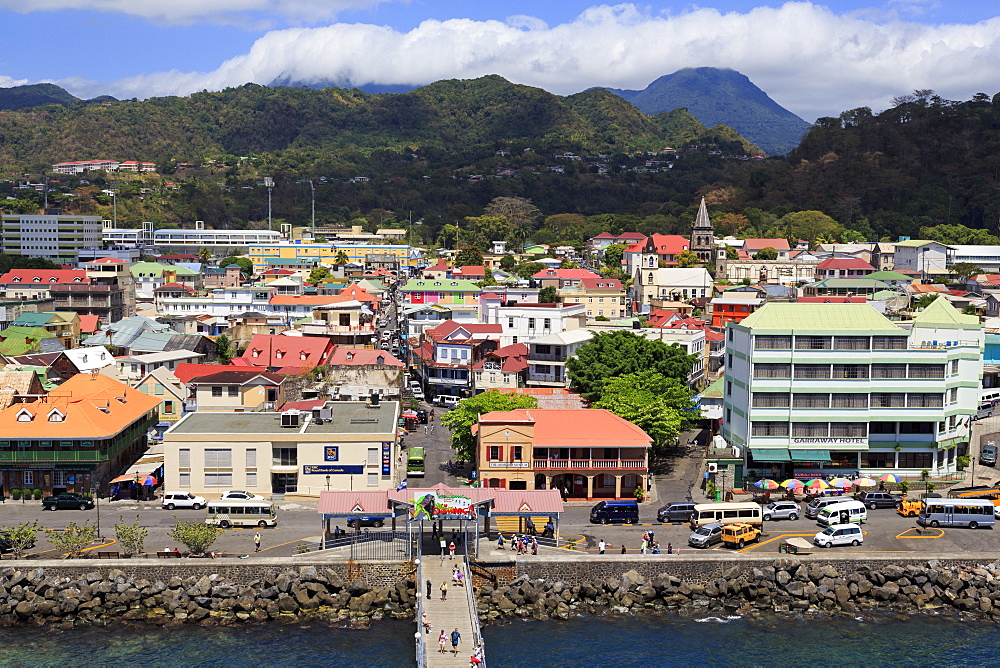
x=269, y=184
x=312, y=190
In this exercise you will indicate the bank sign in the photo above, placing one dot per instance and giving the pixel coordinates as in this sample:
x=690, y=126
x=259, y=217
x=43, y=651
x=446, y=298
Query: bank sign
x=332, y=469
x=832, y=441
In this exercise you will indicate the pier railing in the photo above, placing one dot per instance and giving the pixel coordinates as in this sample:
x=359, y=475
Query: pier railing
x=477, y=633
x=421, y=631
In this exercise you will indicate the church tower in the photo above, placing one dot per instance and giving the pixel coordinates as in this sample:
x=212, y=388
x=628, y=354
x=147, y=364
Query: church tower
x=703, y=236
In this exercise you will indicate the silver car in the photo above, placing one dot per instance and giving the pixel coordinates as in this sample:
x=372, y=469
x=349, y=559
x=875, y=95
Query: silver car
x=782, y=510
x=707, y=535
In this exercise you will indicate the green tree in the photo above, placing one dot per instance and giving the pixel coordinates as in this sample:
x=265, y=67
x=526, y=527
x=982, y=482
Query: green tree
x=196, y=536
x=246, y=266
x=224, y=350
x=766, y=253
x=732, y=253
x=809, y=225
x=658, y=405
x=469, y=257
x=965, y=270
x=204, y=255
x=131, y=537
x=613, y=255
x=528, y=269
x=611, y=354
x=22, y=537
x=568, y=264
x=74, y=538
x=507, y=263
x=925, y=300
x=460, y=419
x=318, y=274
x=342, y=257
x=686, y=259
x=958, y=235
x=548, y=295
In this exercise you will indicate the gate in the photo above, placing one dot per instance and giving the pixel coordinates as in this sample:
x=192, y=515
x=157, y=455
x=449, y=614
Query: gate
x=397, y=545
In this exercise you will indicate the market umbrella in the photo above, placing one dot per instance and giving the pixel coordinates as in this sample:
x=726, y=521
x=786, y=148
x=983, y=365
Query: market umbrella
x=148, y=481
x=818, y=483
x=409, y=414
x=865, y=482
x=792, y=483
x=889, y=477
x=766, y=484
x=841, y=482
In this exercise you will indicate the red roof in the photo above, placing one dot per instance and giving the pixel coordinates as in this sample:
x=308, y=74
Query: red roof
x=89, y=323
x=28, y=276
x=446, y=329
x=755, y=245
x=844, y=263
x=670, y=244
x=362, y=357
x=490, y=295
x=185, y=371
x=574, y=428
x=711, y=335
x=605, y=235
x=470, y=270
x=278, y=351
x=174, y=286
x=601, y=283
x=107, y=260
x=278, y=272
x=566, y=274
x=308, y=405
x=234, y=375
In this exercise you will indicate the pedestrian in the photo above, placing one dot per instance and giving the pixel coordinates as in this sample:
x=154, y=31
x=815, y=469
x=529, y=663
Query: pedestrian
x=426, y=623
x=444, y=545
x=645, y=536
x=500, y=541
x=670, y=548
x=429, y=590
x=444, y=591
x=456, y=637
x=442, y=639
x=432, y=430
x=432, y=415
x=451, y=549
x=534, y=546
x=656, y=548
x=434, y=531
x=601, y=545
x=642, y=547
x=425, y=430
x=624, y=551
x=256, y=542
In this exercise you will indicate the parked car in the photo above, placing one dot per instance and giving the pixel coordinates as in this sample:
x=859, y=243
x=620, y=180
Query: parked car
x=840, y=534
x=738, y=535
x=679, y=511
x=67, y=500
x=418, y=394
x=878, y=499
x=782, y=510
x=7, y=545
x=358, y=522
x=242, y=495
x=173, y=500
x=447, y=400
x=988, y=454
x=706, y=535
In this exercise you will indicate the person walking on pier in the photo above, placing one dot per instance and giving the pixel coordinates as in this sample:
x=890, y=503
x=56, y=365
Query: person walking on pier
x=429, y=590
x=442, y=640
x=456, y=637
x=444, y=591
x=256, y=542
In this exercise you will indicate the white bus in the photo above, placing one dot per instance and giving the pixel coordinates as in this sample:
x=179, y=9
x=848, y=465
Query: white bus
x=227, y=513
x=746, y=512
x=972, y=513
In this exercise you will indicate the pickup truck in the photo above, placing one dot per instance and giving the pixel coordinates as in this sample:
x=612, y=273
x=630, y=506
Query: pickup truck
x=67, y=501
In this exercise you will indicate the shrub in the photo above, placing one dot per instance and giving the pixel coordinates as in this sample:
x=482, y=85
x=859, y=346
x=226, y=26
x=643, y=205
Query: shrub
x=196, y=536
x=37, y=493
x=15, y=494
x=22, y=536
x=132, y=537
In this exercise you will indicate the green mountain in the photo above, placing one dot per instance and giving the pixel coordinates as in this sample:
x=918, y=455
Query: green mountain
x=37, y=95
x=724, y=96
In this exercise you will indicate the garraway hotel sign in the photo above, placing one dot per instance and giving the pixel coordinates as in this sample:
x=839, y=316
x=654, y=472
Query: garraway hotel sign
x=823, y=440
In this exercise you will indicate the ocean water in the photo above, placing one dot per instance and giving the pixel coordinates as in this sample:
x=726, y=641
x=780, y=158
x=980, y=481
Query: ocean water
x=619, y=641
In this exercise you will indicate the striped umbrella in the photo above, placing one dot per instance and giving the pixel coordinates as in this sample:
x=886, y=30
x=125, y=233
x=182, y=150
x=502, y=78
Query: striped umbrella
x=766, y=484
x=818, y=483
x=841, y=482
x=792, y=483
x=865, y=482
x=889, y=477
x=147, y=481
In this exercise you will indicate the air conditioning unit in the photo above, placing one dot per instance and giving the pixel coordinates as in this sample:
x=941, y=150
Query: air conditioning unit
x=713, y=467
x=290, y=419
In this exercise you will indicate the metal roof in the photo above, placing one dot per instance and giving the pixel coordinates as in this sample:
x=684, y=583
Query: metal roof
x=817, y=318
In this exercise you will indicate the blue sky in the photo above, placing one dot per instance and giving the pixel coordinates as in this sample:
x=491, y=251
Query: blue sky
x=813, y=58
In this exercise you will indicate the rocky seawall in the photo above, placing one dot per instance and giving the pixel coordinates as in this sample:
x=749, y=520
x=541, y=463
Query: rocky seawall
x=51, y=596
x=784, y=585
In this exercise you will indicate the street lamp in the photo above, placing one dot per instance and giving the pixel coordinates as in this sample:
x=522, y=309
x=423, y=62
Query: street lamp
x=269, y=184
x=328, y=483
x=97, y=507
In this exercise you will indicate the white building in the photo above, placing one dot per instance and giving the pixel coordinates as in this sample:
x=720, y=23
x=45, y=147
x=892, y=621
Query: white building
x=986, y=258
x=838, y=389
x=222, y=302
x=928, y=258
x=670, y=284
x=523, y=322
x=186, y=240
x=56, y=238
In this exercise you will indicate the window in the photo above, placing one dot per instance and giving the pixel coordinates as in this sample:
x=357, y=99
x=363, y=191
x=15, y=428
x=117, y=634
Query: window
x=888, y=371
x=542, y=349
x=916, y=460
x=954, y=367
x=813, y=342
x=850, y=371
x=233, y=390
x=853, y=400
x=812, y=370
x=251, y=479
x=158, y=390
x=218, y=480
x=916, y=427
x=888, y=400
x=772, y=370
x=218, y=458
x=185, y=480
x=495, y=453
x=729, y=387
x=924, y=400
x=851, y=343
x=927, y=370
x=729, y=360
x=531, y=323
x=767, y=342
x=889, y=343
x=881, y=427
x=952, y=395
x=878, y=460
x=28, y=478
x=251, y=458
x=810, y=429
x=547, y=322
x=510, y=323
x=373, y=456
x=217, y=391
x=849, y=429
x=769, y=429
x=730, y=333
x=373, y=479
x=284, y=456
x=770, y=400
x=810, y=400
x=184, y=458
x=168, y=407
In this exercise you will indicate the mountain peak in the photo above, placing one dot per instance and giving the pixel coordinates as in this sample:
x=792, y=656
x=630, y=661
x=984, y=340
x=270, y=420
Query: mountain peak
x=721, y=95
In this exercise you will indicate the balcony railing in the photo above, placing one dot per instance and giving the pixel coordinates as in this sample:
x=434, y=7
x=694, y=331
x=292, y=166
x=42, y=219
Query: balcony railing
x=590, y=464
x=546, y=378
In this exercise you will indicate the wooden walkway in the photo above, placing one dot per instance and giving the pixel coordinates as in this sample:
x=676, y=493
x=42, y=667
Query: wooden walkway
x=448, y=614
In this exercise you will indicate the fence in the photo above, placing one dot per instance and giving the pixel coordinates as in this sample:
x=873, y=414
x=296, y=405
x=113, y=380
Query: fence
x=477, y=633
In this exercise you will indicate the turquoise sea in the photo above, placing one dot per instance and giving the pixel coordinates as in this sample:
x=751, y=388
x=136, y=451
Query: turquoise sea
x=619, y=641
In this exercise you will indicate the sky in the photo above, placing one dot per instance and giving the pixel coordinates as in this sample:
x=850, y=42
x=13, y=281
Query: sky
x=813, y=58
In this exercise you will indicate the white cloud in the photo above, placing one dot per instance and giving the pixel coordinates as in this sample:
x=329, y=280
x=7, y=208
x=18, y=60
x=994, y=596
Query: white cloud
x=809, y=59
x=195, y=10
x=7, y=82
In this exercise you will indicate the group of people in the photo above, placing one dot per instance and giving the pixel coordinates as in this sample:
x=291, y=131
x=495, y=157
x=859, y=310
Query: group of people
x=522, y=544
x=649, y=545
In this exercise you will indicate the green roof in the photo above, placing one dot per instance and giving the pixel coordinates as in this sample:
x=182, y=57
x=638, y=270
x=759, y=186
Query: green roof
x=817, y=318
x=714, y=391
x=443, y=285
x=884, y=294
x=157, y=268
x=22, y=340
x=916, y=243
x=858, y=283
x=890, y=276
x=29, y=319
x=940, y=313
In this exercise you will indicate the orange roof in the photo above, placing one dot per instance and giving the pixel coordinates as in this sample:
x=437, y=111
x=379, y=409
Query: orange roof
x=89, y=323
x=574, y=428
x=91, y=406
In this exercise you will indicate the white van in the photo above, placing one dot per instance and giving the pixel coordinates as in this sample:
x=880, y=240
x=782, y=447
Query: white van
x=840, y=534
x=447, y=400
x=819, y=503
x=845, y=512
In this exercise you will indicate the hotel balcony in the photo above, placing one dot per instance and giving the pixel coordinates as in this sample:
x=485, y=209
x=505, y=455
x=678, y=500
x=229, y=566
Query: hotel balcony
x=598, y=464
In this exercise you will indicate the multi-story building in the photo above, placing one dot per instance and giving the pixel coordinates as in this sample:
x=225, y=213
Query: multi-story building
x=164, y=386
x=461, y=297
x=262, y=254
x=445, y=358
x=503, y=368
x=56, y=238
x=733, y=308
x=86, y=432
x=927, y=258
x=237, y=390
x=188, y=240
x=108, y=292
x=522, y=322
x=843, y=267
x=562, y=278
x=816, y=389
x=342, y=445
x=655, y=286
x=547, y=356
x=603, y=297
x=584, y=453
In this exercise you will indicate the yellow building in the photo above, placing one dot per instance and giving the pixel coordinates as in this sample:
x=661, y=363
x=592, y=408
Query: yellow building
x=261, y=254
